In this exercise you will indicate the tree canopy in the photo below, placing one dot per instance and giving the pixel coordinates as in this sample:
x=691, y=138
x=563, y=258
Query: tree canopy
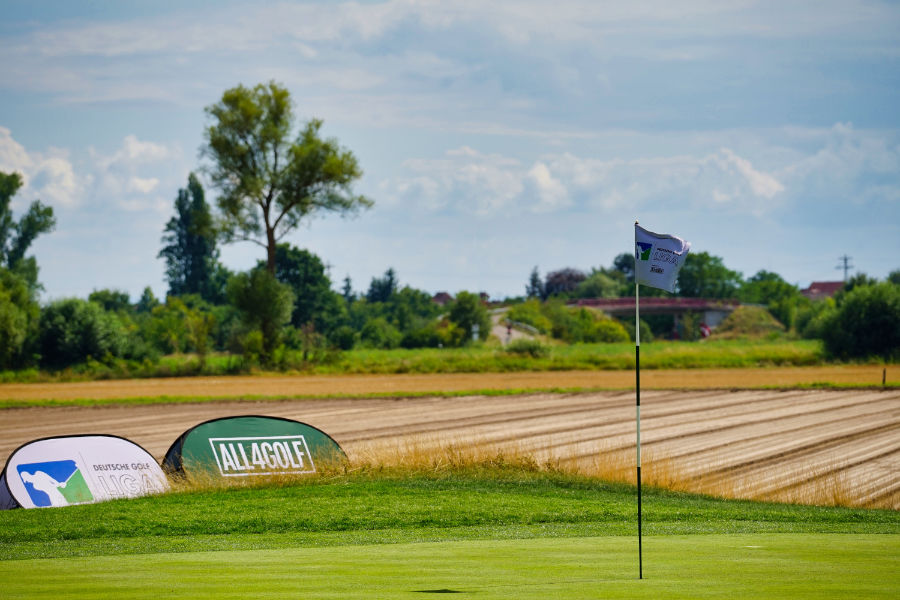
x=268, y=179
x=16, y=238
x=190, y=245
x=706, y=276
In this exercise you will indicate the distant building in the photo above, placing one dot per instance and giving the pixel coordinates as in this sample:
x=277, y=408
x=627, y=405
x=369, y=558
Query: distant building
x=713, y=310
x=442, y=298
x=819, y=290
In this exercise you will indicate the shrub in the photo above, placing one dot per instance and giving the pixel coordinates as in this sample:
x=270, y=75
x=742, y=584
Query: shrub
x=608, y=331
x=810, y=322
x=378, y=333
x=468, y=313
x=265, y=304
x=343, y=337
x=529, y=347
x=530, y=313
x=425, y=337
x=867, y=323
x=72, y=330
x=749, y=321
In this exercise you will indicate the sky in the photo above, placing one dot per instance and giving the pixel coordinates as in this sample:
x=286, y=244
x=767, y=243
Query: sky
x=495, y=137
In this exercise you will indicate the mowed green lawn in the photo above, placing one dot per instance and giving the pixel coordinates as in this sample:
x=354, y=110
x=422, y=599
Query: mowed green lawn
x=694, y=566
x=508, y=531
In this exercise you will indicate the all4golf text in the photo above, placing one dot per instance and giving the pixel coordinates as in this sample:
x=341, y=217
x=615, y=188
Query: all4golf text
x=238, y=457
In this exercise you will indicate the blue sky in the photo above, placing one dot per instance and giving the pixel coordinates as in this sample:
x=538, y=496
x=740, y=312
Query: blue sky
x=495, y=136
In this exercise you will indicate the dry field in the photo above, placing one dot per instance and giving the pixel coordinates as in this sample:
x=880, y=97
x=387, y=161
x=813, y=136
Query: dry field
x=840, y=447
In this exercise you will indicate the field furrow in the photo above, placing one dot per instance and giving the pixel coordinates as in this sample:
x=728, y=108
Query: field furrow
x=840, y=446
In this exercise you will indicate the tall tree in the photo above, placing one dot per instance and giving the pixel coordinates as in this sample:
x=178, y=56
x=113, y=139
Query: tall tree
x=381, y=289
x=562, y=282
x=347, y=291
x=190, y=245
x=624, y=263
x=706, y=276
x=314, y=300
x=535, y=287
x=270, y=182
x=16, y=238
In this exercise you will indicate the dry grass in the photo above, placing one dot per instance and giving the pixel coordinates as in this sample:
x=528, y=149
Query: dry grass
x=418, y=455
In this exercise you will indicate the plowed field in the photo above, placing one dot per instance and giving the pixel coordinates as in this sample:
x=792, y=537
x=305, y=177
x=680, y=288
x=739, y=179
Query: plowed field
x=801, y=445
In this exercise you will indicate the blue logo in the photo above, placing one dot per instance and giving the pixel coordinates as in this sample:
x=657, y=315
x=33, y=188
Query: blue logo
x=55, y=483
x=644, y=250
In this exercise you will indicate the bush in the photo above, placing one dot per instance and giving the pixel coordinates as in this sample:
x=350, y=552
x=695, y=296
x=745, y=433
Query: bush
x=378, y=333
x=748, y=321
x=530, y=313
x=810, y=322
x=607, y=331
x=265, y=304
x=343, y=337
x=866, y=324
x=529, y=347
x=468, y=313
x=72, y=330
x=426, y=337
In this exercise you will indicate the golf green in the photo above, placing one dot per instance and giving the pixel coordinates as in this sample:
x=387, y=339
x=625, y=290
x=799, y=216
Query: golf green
x=695, y=566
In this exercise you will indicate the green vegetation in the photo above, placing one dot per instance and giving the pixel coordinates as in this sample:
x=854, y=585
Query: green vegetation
x=749, y=321
x=522, y=356
x=757, y=566
x=494, y=499
x=273, y=174
x=866, y=322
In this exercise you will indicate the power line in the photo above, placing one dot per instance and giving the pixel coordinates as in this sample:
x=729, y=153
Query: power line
x=846, y=266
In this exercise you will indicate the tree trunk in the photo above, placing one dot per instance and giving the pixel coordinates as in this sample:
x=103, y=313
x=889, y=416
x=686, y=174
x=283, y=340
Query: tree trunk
x=270, y=250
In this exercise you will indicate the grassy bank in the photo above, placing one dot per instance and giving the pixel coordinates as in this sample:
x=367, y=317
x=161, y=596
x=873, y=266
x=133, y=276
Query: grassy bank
x=377, y=506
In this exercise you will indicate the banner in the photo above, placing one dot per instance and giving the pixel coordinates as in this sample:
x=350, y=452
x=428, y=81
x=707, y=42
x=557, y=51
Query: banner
x=251, y=445
x=658, y=258
x=61, y=471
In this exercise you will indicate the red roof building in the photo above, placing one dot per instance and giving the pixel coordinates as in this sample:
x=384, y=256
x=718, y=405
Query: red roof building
x=819, y=290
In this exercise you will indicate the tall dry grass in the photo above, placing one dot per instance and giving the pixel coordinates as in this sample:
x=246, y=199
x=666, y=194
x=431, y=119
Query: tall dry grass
x=437, y=455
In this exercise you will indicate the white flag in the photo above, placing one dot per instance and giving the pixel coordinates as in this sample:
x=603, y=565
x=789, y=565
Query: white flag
x=658, y=258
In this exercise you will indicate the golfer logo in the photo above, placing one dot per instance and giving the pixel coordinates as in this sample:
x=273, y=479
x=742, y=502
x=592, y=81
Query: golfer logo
x=643, y=250
x=56, y=483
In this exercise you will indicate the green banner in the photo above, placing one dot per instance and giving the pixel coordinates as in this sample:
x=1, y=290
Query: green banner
x=252, y=446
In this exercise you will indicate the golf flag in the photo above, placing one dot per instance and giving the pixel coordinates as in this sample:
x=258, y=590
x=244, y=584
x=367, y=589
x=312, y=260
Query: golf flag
x=658, y=258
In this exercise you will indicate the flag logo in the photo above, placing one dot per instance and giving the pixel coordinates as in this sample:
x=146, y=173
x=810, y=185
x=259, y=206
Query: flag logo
x=658, y=258
x=55, y=483
x=644, y=250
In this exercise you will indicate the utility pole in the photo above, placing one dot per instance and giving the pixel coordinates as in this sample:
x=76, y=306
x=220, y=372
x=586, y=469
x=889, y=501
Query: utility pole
x=846, y=266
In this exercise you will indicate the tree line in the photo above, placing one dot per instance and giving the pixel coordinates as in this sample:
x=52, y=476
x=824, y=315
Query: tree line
x=861, y=320
x=270, y=176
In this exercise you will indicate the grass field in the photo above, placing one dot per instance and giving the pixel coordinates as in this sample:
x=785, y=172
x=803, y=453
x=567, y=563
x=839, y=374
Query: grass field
x=713, y=566
x=482, y=530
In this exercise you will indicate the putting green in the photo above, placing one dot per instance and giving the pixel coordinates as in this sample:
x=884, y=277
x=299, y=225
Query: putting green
x=709, y=566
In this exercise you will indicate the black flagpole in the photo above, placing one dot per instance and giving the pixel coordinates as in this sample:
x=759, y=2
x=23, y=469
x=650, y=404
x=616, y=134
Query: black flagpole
x=637, y=396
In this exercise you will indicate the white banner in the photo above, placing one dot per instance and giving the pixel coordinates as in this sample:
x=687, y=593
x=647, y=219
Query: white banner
x=658, y=258
x=77, y=470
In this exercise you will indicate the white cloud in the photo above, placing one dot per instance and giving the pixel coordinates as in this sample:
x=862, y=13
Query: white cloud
x=762, y=184
x=551, y=192
x=48, y=176
x=142, y=185
x=467, y=180
x=130, y=175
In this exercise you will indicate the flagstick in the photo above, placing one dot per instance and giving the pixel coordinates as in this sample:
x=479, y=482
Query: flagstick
x=637, y=388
